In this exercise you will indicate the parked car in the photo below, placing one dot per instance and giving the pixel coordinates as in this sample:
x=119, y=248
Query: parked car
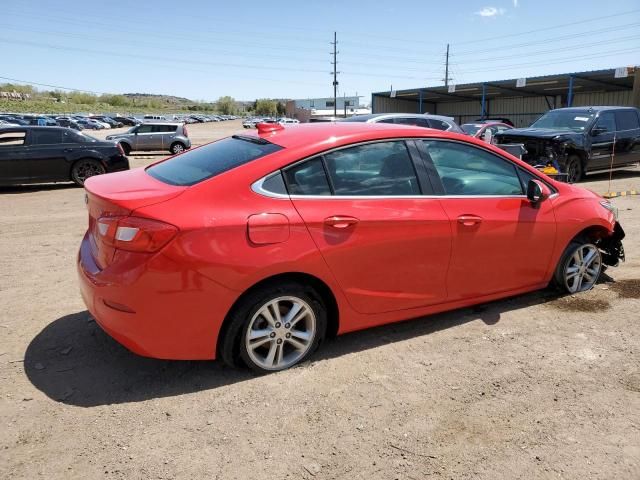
x=4, y=123
x=154, y=136
x=40, y=120
x=89, y=124
x=108, y=120
x=485, y=131
x=155, y=118
x=55, y=154
x=438, y=122
x=580, y=140
x=129, y=121
x=14, y=119
x=255, y=247
x=68, y=122
x=495, y=120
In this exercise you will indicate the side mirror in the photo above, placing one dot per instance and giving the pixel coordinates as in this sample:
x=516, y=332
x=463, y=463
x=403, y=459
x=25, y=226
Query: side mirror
x=595, y=131
x=537, y=191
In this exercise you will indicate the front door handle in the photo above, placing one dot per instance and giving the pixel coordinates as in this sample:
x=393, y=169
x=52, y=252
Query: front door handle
x=340, y=221
x=469, y=220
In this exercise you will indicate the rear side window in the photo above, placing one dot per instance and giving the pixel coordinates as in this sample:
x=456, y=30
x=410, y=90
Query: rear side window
x=418, y=122
x=164, y=128
x=439, y=124
x=383, y=169
x=627, y=120
x=46, y=137
x=11, y=139
x=210, y=160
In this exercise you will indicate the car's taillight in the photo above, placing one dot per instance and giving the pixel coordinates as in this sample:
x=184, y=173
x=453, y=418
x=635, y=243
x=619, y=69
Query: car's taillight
x=120, y=149
x=184, y=129
x=135, y=234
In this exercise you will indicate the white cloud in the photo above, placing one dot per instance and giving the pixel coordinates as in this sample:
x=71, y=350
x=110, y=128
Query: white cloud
x=490, y=12
x=515, y=3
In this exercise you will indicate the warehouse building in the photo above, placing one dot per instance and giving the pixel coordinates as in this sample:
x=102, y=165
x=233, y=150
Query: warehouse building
x=307, y=109
x=520, y=100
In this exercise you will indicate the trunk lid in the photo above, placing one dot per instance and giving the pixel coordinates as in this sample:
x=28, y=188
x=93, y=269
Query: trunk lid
x=120, y=194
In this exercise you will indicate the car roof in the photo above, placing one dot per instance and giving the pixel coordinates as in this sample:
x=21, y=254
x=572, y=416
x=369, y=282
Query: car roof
x=339, y=133
x=371, y=116
x=597, y=108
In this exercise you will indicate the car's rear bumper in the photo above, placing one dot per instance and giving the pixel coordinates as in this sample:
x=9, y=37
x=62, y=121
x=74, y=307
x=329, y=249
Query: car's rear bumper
x=154, y=307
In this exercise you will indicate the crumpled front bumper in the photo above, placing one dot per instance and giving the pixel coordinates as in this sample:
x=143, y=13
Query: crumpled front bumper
x=611, y=246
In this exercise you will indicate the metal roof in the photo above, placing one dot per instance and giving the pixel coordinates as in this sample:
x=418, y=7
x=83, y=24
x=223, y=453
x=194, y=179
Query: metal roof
x=547, y=85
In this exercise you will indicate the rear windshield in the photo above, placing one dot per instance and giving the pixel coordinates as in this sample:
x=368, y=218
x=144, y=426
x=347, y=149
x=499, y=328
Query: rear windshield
x=470, y=128
x=208, y=161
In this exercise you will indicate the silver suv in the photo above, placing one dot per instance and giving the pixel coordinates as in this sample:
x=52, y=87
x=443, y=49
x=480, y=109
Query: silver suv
x=439, y=122
x=154, y=136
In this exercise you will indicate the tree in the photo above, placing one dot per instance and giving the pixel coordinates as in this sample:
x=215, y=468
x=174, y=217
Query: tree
x=264, y=106
x=281, y=108
x=226, y=105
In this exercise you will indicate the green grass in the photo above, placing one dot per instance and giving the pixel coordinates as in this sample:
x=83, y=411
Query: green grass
x=43, y=106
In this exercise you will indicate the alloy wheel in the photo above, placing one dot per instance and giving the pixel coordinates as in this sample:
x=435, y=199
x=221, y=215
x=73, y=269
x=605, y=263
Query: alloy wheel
x=86, y=169
x=177, y=148
x=280, y=333
x=583, y=268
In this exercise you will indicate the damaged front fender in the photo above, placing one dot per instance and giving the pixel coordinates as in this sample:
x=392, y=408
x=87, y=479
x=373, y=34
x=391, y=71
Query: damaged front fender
x=611, y=247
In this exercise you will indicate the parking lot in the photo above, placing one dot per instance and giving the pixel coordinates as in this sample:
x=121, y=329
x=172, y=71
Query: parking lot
x=535, y=387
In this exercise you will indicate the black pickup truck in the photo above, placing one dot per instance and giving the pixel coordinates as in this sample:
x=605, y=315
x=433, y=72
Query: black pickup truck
x=580, y=140
x=55, y=154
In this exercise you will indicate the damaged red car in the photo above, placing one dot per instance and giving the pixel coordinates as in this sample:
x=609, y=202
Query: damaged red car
x=255, y=248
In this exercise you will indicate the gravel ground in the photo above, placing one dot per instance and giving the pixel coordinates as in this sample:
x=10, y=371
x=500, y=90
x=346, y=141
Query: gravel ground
x=532, y=387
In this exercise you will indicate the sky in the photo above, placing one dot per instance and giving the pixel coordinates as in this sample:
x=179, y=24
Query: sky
x=281, y=49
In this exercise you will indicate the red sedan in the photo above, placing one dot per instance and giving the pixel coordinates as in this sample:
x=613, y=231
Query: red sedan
x=256, y=247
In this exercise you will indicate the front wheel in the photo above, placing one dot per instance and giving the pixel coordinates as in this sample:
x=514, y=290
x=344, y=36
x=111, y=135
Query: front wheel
x=574, y=169
x=85, y=168
x=579, y=267
x=275, y=328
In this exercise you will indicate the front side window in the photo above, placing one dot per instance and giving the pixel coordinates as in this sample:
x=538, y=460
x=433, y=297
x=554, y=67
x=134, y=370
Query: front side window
x=606, y=121
x=468, y=170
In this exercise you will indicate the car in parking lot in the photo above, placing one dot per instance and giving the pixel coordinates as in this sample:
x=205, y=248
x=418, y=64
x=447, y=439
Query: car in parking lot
x=68, y=122
x=55, y=154
x=439, y=122
x=486, y=130
x=254, y=248
x=154, y=136
x=580, y=140
x=89, y=124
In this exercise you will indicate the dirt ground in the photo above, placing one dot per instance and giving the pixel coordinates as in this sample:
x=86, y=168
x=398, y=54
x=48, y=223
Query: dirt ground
x=534, y=387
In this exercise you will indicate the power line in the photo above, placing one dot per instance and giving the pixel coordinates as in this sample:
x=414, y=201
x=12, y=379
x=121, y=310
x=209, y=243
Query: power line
x=52, y=86
x=554, y=27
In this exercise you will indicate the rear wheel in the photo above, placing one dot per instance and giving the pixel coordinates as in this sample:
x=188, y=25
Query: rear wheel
x=574, y=169
x=85, y=168
x=177, y=147
x=275, y=328
x=579, y=267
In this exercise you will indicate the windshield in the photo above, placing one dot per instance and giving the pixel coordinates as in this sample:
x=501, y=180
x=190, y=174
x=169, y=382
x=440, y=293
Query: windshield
x=470, y=128
x=576, y=120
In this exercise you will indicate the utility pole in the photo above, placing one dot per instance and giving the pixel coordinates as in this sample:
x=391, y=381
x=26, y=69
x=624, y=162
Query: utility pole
x=335, y=73
x=446, y=68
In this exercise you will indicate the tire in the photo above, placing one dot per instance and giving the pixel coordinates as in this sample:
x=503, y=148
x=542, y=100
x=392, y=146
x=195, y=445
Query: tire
x=177, y=147
x=126, y=148
x=579, y=268
x=85, y=168
x=259, y=335
x=574, y=169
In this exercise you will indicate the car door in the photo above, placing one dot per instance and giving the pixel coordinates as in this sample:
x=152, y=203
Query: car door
x=13, y=169
x=386, y=243
x=602, y=138
x=144, y=138
x=45, y=157
x=627, y=149
x=167, y=133
x=500, y=241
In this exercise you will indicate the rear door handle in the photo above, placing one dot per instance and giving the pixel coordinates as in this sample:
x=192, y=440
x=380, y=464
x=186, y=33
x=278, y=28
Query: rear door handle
x=469, y=220
x=340, y=221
